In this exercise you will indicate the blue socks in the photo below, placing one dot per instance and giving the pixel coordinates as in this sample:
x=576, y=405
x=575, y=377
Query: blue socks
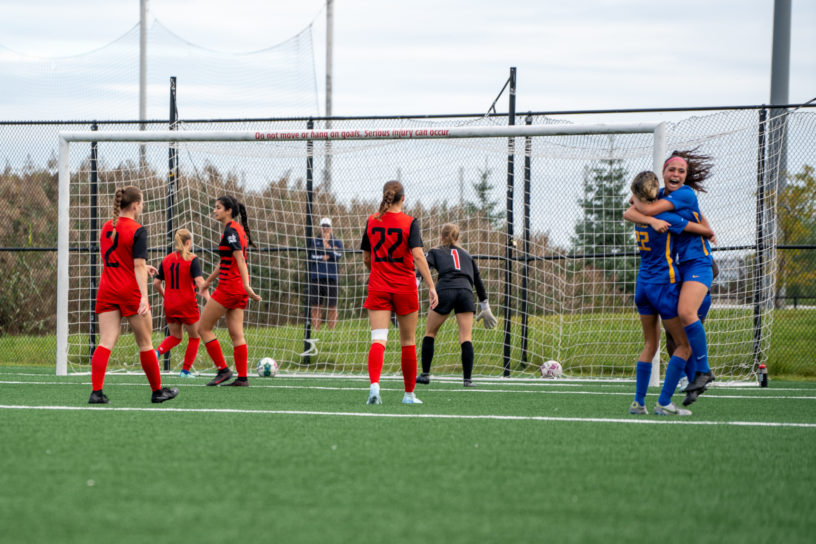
x=674, y=371
x=644, y=372
x=699, y=348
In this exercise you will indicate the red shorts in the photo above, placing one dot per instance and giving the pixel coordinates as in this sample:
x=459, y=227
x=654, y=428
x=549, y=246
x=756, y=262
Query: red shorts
x=401, y=303
x=230, y=301
x=185, y=319
x=126, y=304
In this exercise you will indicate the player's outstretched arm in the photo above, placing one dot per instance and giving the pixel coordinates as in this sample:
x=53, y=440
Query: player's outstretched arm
x=653, y=208
x=157, y=285
x=203, y=288
x=634, y=216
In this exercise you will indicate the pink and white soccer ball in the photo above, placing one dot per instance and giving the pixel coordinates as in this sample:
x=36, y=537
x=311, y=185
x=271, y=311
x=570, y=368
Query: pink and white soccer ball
x=551, y=369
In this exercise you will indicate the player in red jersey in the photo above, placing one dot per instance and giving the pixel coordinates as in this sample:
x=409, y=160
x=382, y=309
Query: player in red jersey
x=392, y=247
x=123, y=293
x=181, y=273
x=233, y=291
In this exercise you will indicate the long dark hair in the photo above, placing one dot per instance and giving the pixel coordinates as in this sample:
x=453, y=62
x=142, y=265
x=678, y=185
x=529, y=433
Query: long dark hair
x=698, y=167
x=237, y=208
x=393, y=191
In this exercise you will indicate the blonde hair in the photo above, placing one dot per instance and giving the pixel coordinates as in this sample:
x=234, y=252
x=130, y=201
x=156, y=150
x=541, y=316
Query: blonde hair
x=449, y=234
x=393, y=191
x=124, y=197
x=646, y=186
x=182, y=237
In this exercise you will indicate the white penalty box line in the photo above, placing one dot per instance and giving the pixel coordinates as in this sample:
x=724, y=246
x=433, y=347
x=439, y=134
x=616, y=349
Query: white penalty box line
x=548, y=419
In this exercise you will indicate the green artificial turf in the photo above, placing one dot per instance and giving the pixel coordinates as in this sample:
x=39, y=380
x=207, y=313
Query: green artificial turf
x=306, y=460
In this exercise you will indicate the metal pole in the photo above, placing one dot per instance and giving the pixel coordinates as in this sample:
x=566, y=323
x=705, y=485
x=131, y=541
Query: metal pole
x=528, y=150
x=92, y=243
x=327, y=172
x=760, y=239
x=142, y=75
x=307, y=327
x=172, y=176
x=508, y=263
x=780, y=78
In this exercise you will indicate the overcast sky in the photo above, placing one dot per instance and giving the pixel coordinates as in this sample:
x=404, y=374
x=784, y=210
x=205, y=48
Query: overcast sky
x=453, y=56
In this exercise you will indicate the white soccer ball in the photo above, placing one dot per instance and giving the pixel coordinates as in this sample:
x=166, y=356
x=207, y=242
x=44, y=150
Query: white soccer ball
x=551, y=369
x=267, y=367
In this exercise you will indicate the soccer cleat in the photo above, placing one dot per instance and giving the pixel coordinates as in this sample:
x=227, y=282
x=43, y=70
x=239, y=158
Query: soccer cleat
x=238, y=382
x=691, y=396
x=163, y=394
x=670, y=410
x=424, y=378
x=223, y=375
x=682, y=384
x=637, y=409
x=410, y=398
x=187, y=374
x=374, y=394
x=98, y=397
x=701, y=380
x=468, y=383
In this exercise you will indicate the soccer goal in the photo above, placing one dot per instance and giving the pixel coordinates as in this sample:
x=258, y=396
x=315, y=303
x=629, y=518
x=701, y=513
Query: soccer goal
x=539, y=207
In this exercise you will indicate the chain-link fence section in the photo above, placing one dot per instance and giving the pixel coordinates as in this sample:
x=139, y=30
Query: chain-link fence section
x=562, y=199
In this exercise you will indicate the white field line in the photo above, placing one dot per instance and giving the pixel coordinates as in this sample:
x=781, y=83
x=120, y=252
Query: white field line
x=462, y=390
x=412, y=416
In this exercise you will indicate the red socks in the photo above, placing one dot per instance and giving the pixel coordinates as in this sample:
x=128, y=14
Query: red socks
x=376, y=355
x=150, y=365
x=99, y=364
x=191, y=352
x=240, y=354
x=408, y=362
x=214, y=350
x=168, y=343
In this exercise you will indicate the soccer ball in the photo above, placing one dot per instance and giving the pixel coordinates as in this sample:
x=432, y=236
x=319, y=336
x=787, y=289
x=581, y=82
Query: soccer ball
x=267, y=367
x=551, y=369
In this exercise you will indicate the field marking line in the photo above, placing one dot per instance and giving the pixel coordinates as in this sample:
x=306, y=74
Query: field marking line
x=457, y=390
x=410, y=416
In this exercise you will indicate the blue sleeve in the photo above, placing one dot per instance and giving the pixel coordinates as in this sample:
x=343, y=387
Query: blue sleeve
x=676, y=223
x=682, y=198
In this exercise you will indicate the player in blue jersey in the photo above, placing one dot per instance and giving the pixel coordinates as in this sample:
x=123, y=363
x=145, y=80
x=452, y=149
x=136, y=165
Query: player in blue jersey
x=656, y=293
x=458, y=275
x=683, y=174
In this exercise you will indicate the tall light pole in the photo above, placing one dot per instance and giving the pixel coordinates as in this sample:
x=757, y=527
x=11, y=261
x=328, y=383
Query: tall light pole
x=142, y=73
x=327, y=174
x=780, y=78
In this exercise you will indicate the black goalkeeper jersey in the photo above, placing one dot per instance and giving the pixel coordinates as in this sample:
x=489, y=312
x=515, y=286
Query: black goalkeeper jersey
x=457, y=270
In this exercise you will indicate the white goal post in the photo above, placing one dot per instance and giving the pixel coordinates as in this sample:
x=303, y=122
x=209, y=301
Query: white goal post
x=69, y=167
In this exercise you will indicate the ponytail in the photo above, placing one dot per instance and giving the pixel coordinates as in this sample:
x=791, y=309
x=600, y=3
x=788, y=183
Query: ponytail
x=181, y=238
x=242, y=210
x=237, y=208
x=393, y=191
x=123, y=198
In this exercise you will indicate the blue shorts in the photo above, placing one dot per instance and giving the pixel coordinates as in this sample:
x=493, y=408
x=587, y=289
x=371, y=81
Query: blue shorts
x=700, y=271
x=657, y=298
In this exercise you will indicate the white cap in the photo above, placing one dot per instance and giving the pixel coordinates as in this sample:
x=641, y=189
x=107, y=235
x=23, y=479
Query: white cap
x=325, y=222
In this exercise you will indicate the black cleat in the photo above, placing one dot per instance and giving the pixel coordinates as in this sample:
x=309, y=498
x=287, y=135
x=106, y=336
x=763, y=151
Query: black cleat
x=691, y=396
x=469, y=383
x=98, y=397
x=223, y=375
x=163, y=394
x=424, y=378
x=238, y=382
x=701, y=380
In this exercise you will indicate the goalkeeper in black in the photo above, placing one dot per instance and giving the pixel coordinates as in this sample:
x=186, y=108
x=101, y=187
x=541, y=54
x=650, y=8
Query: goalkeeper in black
x=458, y=275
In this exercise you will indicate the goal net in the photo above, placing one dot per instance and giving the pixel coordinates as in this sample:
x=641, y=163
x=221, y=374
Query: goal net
x=539, y=206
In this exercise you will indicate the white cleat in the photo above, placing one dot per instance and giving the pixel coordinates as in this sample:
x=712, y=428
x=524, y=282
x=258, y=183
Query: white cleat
x=670, y=410
x=636, y=409
x=410, y=398
x=374, y=394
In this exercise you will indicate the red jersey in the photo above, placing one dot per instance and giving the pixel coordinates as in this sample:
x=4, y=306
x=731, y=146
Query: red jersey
x=179, y=285
x=118, y=253
x=229, y=278
x=390, y=241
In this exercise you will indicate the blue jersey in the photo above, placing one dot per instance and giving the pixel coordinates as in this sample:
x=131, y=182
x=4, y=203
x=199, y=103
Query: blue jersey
x=657, y=251
x=690, y=247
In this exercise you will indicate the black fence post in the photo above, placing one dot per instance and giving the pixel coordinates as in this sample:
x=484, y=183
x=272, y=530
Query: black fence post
x=508, y=266
x=307, y=325
x=528, y=149
x=760, y=238
x=172, y=176
x=92, y=242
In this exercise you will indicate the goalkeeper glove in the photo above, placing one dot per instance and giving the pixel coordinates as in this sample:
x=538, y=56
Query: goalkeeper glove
x=489, y=319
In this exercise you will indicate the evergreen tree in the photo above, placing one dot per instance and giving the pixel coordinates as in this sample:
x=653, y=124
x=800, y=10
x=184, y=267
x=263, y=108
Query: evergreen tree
x=485, y=207
x=602, y=230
